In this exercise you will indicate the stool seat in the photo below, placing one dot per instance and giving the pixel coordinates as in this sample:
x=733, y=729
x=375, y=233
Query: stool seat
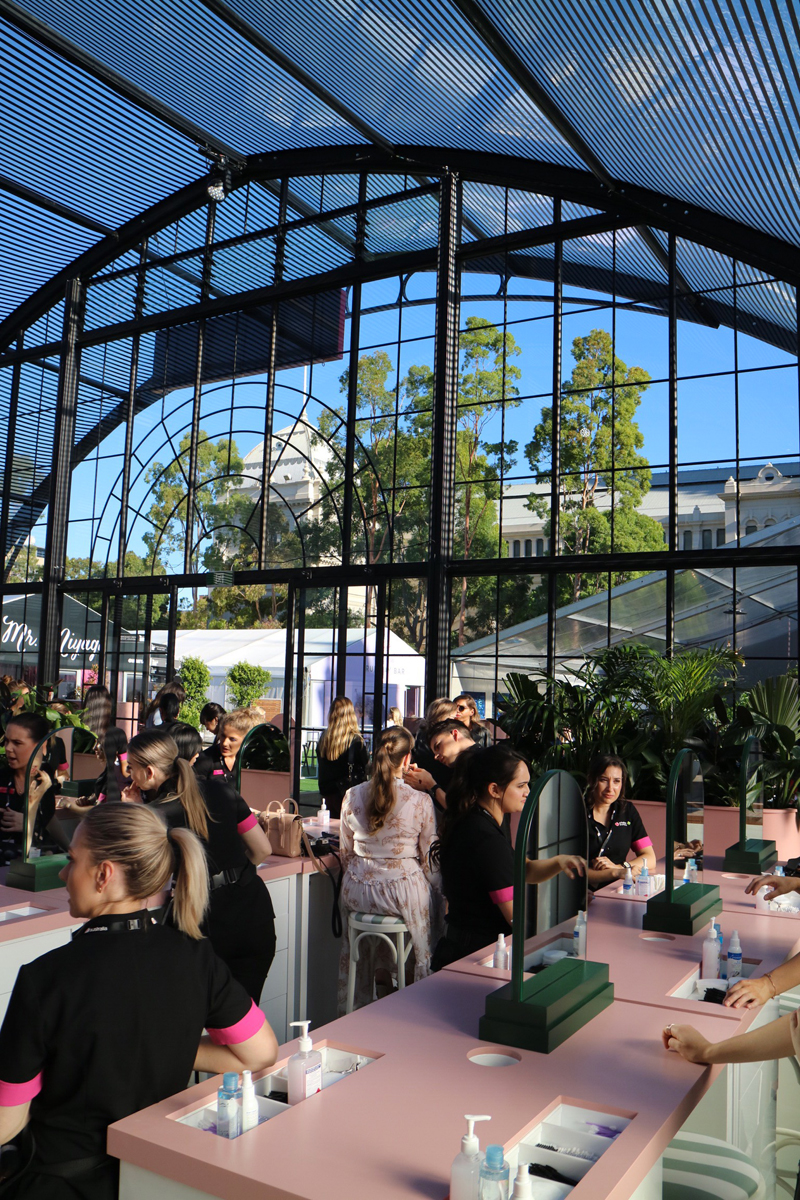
x=362, y=918
x=696, y=1167
x=388, y=928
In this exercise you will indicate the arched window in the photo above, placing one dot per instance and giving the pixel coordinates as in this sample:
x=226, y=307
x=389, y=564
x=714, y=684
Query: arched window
x=750, y=528
x=539, y=547
x=720, y=537
x=528, y=548
x=707, y=539
x=687, y=539
x=516, y=550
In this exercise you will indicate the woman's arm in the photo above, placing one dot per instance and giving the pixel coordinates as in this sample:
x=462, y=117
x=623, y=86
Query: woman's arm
x=256, y=844
x=749, y=993
x=538, y=870
x=13, y=1118
x=254, y=1054
x=759, y=1045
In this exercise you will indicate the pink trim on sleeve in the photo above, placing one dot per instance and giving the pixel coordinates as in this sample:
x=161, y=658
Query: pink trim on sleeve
x=248, y=823
x=123, y=757
x=641, y=844
x=101, y=798
x=217, y=772
x=500, y=896
x=232, y=1035
x=19, y=1093
x=64, y=767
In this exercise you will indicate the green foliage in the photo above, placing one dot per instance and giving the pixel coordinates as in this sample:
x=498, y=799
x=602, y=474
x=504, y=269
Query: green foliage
x=195, y=677
x=265, y=749
x=247, y=683
x=600, y=442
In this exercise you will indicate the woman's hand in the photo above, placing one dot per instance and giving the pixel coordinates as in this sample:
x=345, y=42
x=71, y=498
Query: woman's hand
x=571, y=865
x=794, y=1030
x=686, y=1041
x=11, y=821
x=605, y=864
x=780, y=885
x=40, y=782
x=131, y=794
x=418, y=778
x=749, y=993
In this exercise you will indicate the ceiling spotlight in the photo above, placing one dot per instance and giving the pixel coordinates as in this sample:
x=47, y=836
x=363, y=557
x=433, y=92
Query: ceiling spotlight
x=220, y=183
x=216, y=190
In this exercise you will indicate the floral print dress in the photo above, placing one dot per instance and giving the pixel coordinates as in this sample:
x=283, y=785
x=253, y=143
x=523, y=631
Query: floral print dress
x=388, y=871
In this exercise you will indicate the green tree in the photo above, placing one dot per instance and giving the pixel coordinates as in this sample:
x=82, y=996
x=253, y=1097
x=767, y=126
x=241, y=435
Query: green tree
x=133, y=606
x=600, y=442
x=195, y=677
x=487, y=383
x=247, y=683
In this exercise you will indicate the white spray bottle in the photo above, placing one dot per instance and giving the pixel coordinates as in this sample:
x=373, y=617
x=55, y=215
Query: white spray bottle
x=627, y=882
x=523, y=1184
x=500, y=957
x=249, y=1102
x=734, y=957
x=579, y=936
x=710, y=964
x=465, y=1171
x=304, y=1068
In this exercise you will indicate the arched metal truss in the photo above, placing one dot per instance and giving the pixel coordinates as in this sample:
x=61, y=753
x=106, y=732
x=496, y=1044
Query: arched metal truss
x=393, y=212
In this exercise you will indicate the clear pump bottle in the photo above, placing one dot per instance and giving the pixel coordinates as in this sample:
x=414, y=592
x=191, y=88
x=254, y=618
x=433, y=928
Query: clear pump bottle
x=465, y=1171
x=500, y=958
x=304, y=1069
x=710, y=964
x=324, y=814
x=643, y=882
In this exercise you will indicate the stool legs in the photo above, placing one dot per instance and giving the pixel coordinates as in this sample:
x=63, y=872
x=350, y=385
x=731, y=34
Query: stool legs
x=401, y=959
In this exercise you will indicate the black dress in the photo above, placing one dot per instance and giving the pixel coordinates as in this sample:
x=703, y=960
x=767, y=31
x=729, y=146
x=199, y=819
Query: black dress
x=477, y=866
x=240, y=922
x=336, y=776
x=11, y=843
x=103, y=1027
x=214, y=764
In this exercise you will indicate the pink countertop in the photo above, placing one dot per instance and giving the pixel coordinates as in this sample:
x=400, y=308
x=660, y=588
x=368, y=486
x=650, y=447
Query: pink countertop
x=56, y=914
x=731, y=889
x=392, y=1130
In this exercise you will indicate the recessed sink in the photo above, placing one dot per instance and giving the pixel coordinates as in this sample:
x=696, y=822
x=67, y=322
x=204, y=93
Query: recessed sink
x=17, y=914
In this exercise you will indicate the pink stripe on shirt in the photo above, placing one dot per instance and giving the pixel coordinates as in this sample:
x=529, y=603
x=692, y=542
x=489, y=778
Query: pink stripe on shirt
x=248, y=823
x=19, y=1093
x=123, y=758
x=232, y=1035
x=217, y=772
x=641, y=844
x=502, y=895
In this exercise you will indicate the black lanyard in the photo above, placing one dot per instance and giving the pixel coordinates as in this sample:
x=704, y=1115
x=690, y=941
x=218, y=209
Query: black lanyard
x=607, y=838
x=139, y=923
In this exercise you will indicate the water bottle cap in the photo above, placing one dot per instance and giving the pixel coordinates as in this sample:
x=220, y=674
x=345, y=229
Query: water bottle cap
x=230, y=1081
x=494, y=1157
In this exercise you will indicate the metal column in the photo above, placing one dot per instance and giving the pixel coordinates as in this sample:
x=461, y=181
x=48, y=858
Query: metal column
x=58, y=511
x=443, y=434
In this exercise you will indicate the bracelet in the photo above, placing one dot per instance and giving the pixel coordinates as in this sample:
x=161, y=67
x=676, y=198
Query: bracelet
x=768, y=975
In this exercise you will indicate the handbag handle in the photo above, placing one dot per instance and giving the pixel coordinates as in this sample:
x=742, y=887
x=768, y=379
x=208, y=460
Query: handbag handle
x=318, y=865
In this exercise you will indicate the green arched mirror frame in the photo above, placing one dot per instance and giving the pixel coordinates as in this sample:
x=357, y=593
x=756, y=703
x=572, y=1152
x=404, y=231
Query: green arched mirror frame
x=263, y=748
x=751, y=854
x=688, y=907
x=32, y=872
x=542, y=1011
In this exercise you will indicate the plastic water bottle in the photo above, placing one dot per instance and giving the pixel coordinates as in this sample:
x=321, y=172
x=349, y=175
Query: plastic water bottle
x=229, y=1106
x=692, y=871
x=494, y=1175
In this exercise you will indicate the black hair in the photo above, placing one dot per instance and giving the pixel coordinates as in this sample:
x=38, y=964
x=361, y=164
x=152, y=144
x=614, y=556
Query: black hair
x=473, y=771
x=448, y=726
x=115, y=743
x=169, y=706
x=596, y=768
x=211, y=710
x=187, y=739
x=36, y=725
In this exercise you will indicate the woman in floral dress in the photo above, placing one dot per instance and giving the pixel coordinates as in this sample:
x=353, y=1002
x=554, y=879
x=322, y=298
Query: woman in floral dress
x=386, y=833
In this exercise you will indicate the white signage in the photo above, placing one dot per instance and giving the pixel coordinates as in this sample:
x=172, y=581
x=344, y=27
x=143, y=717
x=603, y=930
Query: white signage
x=21, y=637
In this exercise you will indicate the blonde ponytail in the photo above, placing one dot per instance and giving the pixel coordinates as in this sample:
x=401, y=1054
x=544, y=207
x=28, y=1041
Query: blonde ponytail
x=190, y=894
x=136, y=838
x=394, y=745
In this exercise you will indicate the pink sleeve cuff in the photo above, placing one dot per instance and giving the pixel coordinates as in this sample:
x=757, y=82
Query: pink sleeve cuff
x=248, y=823
x=502, y=895
x=19, y=1093
x=101, y=798
x=232, y=1035
x=64, y=767
x=123, y=758
x=642, y=844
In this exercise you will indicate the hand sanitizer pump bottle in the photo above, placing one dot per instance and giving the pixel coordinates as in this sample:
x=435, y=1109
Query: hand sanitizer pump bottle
x=643, y=882
x=465, y=1171
x=627, y=882
x=324, y=814
x=734, y=957
x=304, y=1069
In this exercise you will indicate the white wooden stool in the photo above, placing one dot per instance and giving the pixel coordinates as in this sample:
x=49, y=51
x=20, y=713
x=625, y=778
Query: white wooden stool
x=701, y=1168
x=379, y=925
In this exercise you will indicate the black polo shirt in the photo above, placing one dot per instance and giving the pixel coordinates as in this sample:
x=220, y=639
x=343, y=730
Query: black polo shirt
x=11, y=843
x=625, y=832
x=109, y=1024
x=477, y=865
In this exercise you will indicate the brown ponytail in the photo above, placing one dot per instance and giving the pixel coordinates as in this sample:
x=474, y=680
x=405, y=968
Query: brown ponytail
x=394, y=745
x=158, y=750
x=136, y=838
